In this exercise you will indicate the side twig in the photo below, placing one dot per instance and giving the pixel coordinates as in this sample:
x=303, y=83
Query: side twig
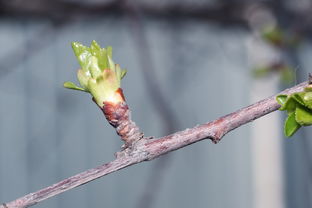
x=149, y=149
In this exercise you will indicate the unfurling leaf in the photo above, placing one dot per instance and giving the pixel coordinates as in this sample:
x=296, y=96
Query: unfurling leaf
x=73, y=86
x=281, y=99
x=291, y=125
x=299, y=109
x=99, y=75
x=123, y=73
x=303, y=116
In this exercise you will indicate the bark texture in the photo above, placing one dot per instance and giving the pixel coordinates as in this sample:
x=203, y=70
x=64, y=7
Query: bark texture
x=119, y=116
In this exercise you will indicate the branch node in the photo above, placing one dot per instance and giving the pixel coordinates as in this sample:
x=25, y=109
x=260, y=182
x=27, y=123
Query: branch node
x=214, y=140
x=130, y=149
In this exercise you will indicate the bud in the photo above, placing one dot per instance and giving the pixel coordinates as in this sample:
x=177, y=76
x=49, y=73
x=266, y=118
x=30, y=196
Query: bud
x=99, y=75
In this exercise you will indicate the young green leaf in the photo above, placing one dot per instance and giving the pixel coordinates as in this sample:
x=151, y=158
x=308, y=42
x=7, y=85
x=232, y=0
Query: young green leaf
x=123, y=73
x=83, y=78
x=99, y=75
x=101, y=54
x=298, y=97
x=109, y=51
x=289, y=105
x=93, y=67
x=299, y=108
x=308, y=100
x=308, y=88
x=281, y=99
x=291, y=125
x=82, y=53
x=303, y=116
x=73, y=86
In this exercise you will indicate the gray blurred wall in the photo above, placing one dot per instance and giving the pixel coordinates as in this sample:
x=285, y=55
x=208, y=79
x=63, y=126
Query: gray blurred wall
x=48, y=133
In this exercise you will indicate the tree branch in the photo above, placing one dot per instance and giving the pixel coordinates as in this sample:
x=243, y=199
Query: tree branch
x=148, y=149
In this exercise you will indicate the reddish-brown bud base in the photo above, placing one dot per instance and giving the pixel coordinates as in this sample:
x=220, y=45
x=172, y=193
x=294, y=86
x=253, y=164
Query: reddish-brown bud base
x=118, y=115
x=114, y=113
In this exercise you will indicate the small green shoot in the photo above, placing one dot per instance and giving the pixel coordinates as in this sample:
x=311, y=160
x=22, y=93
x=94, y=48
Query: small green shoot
x=299, y=110
x=99, y=75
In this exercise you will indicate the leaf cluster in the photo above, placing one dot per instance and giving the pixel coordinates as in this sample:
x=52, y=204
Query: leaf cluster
x=299, y=110
x=99, y=75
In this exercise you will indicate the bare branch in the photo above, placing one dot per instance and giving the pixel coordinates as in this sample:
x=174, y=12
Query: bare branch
x=149, y=149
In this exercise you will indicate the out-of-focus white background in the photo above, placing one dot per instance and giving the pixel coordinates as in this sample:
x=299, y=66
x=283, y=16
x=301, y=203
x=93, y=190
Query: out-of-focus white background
x=188, y=62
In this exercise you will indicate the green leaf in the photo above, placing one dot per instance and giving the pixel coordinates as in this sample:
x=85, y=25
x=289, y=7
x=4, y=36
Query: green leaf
x=82, y=53
x=93, y=67
x=73, y=86
x=291, y=125
x=308, y=88
x=100, y=54
x=304, y=98
x=111, y=64
x=281, y=99
x=289, y=105
x=118, y=72
x=308, y=100
x=83, y=78
x=99, y=75
x=95, y=48
x=298, y=97
x=109, y=51
x=303, y=116
x=123, y=73
x=97, y=89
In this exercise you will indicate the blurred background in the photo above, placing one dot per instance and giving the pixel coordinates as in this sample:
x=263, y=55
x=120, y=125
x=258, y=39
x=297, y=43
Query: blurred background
x=188, y=62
